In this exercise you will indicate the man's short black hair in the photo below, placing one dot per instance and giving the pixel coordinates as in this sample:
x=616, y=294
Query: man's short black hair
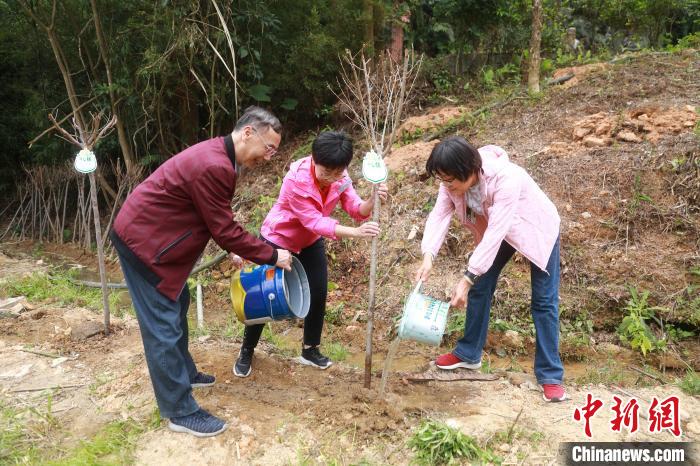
x=454, y=157
x=332, y=149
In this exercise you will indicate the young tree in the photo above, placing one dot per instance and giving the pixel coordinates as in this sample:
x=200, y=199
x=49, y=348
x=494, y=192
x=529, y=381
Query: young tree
x=376, y=91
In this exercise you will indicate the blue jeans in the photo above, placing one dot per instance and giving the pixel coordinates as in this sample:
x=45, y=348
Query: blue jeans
x=545, y=314
x=164, y=332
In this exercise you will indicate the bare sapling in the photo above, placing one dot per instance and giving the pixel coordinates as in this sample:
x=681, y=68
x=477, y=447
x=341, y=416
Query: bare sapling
x=86, y=138
x=375, y=91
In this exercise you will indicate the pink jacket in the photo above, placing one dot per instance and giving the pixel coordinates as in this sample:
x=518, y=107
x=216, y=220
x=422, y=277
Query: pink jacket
x=515, y=208
x=300, y=217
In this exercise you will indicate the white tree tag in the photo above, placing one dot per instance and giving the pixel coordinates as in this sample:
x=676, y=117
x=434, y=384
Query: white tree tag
x=85, y=161
x=373, y=168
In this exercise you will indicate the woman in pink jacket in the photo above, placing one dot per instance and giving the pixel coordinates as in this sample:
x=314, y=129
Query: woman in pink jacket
x=507, y=212
x=300, y=220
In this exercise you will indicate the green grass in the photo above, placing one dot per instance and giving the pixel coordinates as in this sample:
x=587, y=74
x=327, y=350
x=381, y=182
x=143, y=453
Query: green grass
x=282, y=345
x=114, y=444
x=437, y=443
x=690, y=384
x=231, y=329
x=57, y=286
x=29, y=436
x=335, y=351
x=334, y=312
x=608, y=374
x=16, y=447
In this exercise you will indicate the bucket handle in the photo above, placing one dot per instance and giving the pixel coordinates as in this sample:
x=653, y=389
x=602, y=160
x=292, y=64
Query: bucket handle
x=416, y=290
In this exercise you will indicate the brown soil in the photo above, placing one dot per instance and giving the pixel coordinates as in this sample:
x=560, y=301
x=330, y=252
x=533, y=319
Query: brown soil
x=432, y=120
x=579, y=72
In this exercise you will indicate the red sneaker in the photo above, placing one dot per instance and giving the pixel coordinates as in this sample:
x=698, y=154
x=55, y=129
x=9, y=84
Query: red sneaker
x=553, y=393
x=449, y=362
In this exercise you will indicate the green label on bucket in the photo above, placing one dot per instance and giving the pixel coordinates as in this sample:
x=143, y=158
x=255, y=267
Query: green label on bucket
x=424, y=319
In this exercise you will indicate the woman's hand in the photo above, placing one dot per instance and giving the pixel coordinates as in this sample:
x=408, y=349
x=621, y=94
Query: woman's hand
x=383, y=191
x=368, y=205
x=459, y=294
x=423, y=272
x=367, y=230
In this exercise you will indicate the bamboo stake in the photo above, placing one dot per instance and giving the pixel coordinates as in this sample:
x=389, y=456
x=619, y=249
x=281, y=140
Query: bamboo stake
x=100, y=251
x=372, y=291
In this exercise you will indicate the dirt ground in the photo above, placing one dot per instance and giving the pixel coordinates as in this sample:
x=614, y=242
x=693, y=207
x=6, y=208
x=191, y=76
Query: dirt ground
x=286, y=413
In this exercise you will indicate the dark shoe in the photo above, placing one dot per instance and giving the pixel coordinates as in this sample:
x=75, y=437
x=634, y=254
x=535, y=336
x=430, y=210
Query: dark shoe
x=313, y=357
x=202, y=380
x=245, y=360
x=200, y=424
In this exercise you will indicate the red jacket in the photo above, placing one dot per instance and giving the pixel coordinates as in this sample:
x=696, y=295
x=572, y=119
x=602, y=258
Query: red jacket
x=166, y=222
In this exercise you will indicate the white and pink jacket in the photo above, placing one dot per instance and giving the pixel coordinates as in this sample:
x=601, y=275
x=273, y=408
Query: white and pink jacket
x=300, y=216
x=515, y=210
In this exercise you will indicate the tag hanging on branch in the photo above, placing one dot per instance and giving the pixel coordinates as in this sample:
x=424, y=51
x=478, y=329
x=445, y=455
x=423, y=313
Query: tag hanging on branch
x=85, y=161
x=373, y=168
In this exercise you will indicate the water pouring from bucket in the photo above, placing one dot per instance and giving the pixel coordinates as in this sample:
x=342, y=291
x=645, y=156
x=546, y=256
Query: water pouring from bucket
x=424, y=320
x=265, y=293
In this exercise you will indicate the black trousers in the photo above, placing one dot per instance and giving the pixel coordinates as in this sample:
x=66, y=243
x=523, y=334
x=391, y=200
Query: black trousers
x=313, y=259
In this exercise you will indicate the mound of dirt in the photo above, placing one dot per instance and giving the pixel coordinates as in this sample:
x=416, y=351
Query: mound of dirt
x=643, y=123
x=411, y=157
x=436, y=118
x=579, y=73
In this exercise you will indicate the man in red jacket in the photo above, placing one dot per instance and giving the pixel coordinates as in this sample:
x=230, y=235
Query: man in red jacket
x=160, y=232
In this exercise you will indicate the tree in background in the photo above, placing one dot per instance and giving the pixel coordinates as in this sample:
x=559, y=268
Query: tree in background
x=533, y=73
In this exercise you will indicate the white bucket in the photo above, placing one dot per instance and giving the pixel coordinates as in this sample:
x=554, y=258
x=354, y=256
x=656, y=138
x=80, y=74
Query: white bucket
x=424, y=318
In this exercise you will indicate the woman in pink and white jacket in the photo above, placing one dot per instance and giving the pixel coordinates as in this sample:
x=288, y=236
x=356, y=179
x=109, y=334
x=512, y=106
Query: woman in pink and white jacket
x=507, y=212
x=300, y=220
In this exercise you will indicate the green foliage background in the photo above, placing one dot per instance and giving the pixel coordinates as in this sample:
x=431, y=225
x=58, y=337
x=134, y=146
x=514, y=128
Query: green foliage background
x=162, y=56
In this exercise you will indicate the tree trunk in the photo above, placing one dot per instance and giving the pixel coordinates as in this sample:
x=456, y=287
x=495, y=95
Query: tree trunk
x=378, y=22
x=368, y=20
x=533, y=75
x=397, y=33
x=189, y=115
x=65, y=72
x=121, y=131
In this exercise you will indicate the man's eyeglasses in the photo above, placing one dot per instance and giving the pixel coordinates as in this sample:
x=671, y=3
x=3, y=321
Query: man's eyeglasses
x=270, y=149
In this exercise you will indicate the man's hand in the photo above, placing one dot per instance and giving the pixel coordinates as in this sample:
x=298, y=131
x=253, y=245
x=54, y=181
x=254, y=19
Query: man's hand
x=236, y=260
x=423, y=272
x=459, y=294
x=284, y=259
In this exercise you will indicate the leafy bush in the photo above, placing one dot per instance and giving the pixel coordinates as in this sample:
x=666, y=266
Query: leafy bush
x=437, y=443
x=634, y=329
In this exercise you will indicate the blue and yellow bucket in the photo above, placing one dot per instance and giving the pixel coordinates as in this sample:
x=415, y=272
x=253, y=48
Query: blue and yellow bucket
x=264, y=293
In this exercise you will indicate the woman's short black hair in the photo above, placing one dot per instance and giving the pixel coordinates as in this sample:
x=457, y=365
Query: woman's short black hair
x=454, y=157
x=332, y=149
